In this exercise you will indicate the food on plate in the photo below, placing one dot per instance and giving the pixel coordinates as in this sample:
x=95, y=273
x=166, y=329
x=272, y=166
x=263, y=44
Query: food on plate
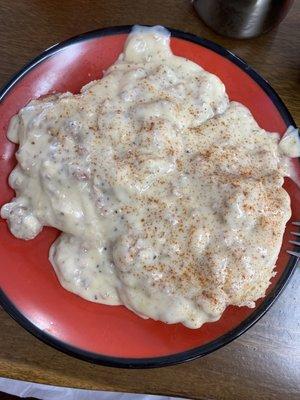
x=168, y=195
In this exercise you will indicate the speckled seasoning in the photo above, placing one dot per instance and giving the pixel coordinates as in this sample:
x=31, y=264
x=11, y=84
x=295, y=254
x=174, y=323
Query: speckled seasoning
x=169, y=197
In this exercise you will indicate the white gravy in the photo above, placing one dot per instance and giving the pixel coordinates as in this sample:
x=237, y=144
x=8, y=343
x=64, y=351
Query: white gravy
x=169, y=197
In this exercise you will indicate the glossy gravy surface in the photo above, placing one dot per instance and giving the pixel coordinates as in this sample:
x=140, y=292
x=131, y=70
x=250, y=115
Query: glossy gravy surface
x=169, y=197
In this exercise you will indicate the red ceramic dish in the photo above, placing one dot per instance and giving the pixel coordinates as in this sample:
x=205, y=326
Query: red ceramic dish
x=30, y=291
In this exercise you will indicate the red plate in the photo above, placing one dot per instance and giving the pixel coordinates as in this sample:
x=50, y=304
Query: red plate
x=30, y=291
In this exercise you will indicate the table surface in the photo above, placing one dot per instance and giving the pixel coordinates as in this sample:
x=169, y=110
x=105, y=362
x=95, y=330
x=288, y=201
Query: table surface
x=264, y=363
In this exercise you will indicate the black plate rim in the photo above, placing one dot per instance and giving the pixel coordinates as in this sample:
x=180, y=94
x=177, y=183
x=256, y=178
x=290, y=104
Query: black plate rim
x=187, y=355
